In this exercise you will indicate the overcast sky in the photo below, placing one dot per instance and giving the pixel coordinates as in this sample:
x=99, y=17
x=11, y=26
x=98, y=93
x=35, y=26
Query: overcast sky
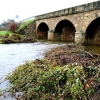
x=27, y=8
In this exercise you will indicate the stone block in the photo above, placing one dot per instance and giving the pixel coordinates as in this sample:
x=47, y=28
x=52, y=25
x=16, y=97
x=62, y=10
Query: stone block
x=56, y=13
x=40, y=17
x=66, y=11
x=90, y=6
x=43, y=16
x=95, y=5
x=61, y=12
x=79, y=37
x=79, y=8
x=51, y=14
x=86, y=8
x=70, y=10
x=98, y=4
x=74, y=9
x=50, y=35
x=36, y=17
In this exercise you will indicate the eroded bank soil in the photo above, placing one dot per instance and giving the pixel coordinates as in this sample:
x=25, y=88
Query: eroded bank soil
x=72, y=53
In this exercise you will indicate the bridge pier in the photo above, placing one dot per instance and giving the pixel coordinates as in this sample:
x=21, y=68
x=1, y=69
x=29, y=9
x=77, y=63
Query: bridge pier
x=50, y=35
x=67, y=23
x=79, y=37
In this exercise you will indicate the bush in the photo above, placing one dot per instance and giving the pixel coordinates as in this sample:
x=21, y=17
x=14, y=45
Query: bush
x=10, y=25
x=42, y=82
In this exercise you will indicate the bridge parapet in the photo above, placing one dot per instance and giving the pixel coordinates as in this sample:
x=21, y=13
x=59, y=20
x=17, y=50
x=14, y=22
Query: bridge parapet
x=72, y=10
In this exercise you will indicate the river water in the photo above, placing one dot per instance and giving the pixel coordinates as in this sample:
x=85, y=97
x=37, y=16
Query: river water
x=13, y=55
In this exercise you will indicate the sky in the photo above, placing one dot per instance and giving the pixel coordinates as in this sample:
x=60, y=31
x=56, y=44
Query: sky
x=9, y=9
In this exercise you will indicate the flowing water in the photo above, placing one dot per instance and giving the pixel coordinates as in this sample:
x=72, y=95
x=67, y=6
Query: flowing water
x=13, y=55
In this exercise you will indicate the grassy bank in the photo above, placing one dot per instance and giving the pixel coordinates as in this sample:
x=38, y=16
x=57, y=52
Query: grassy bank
x=3, y=33
x=23, y=24
x=10, y=37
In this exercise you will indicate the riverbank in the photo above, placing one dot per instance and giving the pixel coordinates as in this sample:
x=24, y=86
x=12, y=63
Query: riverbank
x=10, y=33
x=64, y=72
x=9, y=37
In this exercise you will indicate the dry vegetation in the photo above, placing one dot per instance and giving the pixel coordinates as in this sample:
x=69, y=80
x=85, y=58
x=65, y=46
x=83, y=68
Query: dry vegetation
x=65, y=73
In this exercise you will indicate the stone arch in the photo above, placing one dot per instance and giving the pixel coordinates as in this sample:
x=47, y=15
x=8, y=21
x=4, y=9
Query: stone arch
x=93, y=31
x=64, y=31
x=42, y=31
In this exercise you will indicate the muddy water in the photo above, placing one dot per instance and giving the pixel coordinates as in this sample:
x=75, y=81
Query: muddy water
x=13, y=55
x=93, y=48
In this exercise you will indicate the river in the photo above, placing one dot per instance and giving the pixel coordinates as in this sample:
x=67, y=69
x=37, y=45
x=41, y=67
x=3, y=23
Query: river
x=13, y=55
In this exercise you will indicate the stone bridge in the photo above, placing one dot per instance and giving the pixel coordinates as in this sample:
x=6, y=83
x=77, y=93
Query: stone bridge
x=71, y=23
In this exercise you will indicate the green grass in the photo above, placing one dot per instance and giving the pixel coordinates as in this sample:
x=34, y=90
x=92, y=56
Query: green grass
x=24, y=24
x=0, y=41
x=3, y=33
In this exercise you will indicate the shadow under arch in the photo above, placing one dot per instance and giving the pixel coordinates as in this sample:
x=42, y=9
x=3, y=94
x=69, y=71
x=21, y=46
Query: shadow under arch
x=93, y=31
x=42, y=31
x=65, y=31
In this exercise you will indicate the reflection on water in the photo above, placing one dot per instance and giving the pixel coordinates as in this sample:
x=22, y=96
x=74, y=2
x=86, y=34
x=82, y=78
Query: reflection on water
x=93, y=48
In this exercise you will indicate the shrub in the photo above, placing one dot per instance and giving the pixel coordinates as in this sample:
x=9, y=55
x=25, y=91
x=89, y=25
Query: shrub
x=42, y=82
x=10, y=25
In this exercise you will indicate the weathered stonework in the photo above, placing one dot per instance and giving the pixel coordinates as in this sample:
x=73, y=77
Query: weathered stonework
x=79, y=20
x=29, y=30
x=79, y=37
x=80, y=16
x=50, y=35
x=96, y=37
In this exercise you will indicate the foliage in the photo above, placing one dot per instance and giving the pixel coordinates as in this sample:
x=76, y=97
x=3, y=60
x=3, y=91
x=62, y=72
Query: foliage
x=10, y=37
x=23, y=24
x=65, y=73
x=41, y=81
x=3, y=33
x=0, y=41
x=10, y=25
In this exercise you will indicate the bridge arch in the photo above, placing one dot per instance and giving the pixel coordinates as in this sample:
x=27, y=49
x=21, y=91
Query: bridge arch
x=65, y=31
x=42, y=31
x=93, y=31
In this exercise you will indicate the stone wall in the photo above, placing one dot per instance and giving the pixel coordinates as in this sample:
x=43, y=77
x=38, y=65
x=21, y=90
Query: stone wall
x=79, y=20
x=29, y=30
x=96, y=38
